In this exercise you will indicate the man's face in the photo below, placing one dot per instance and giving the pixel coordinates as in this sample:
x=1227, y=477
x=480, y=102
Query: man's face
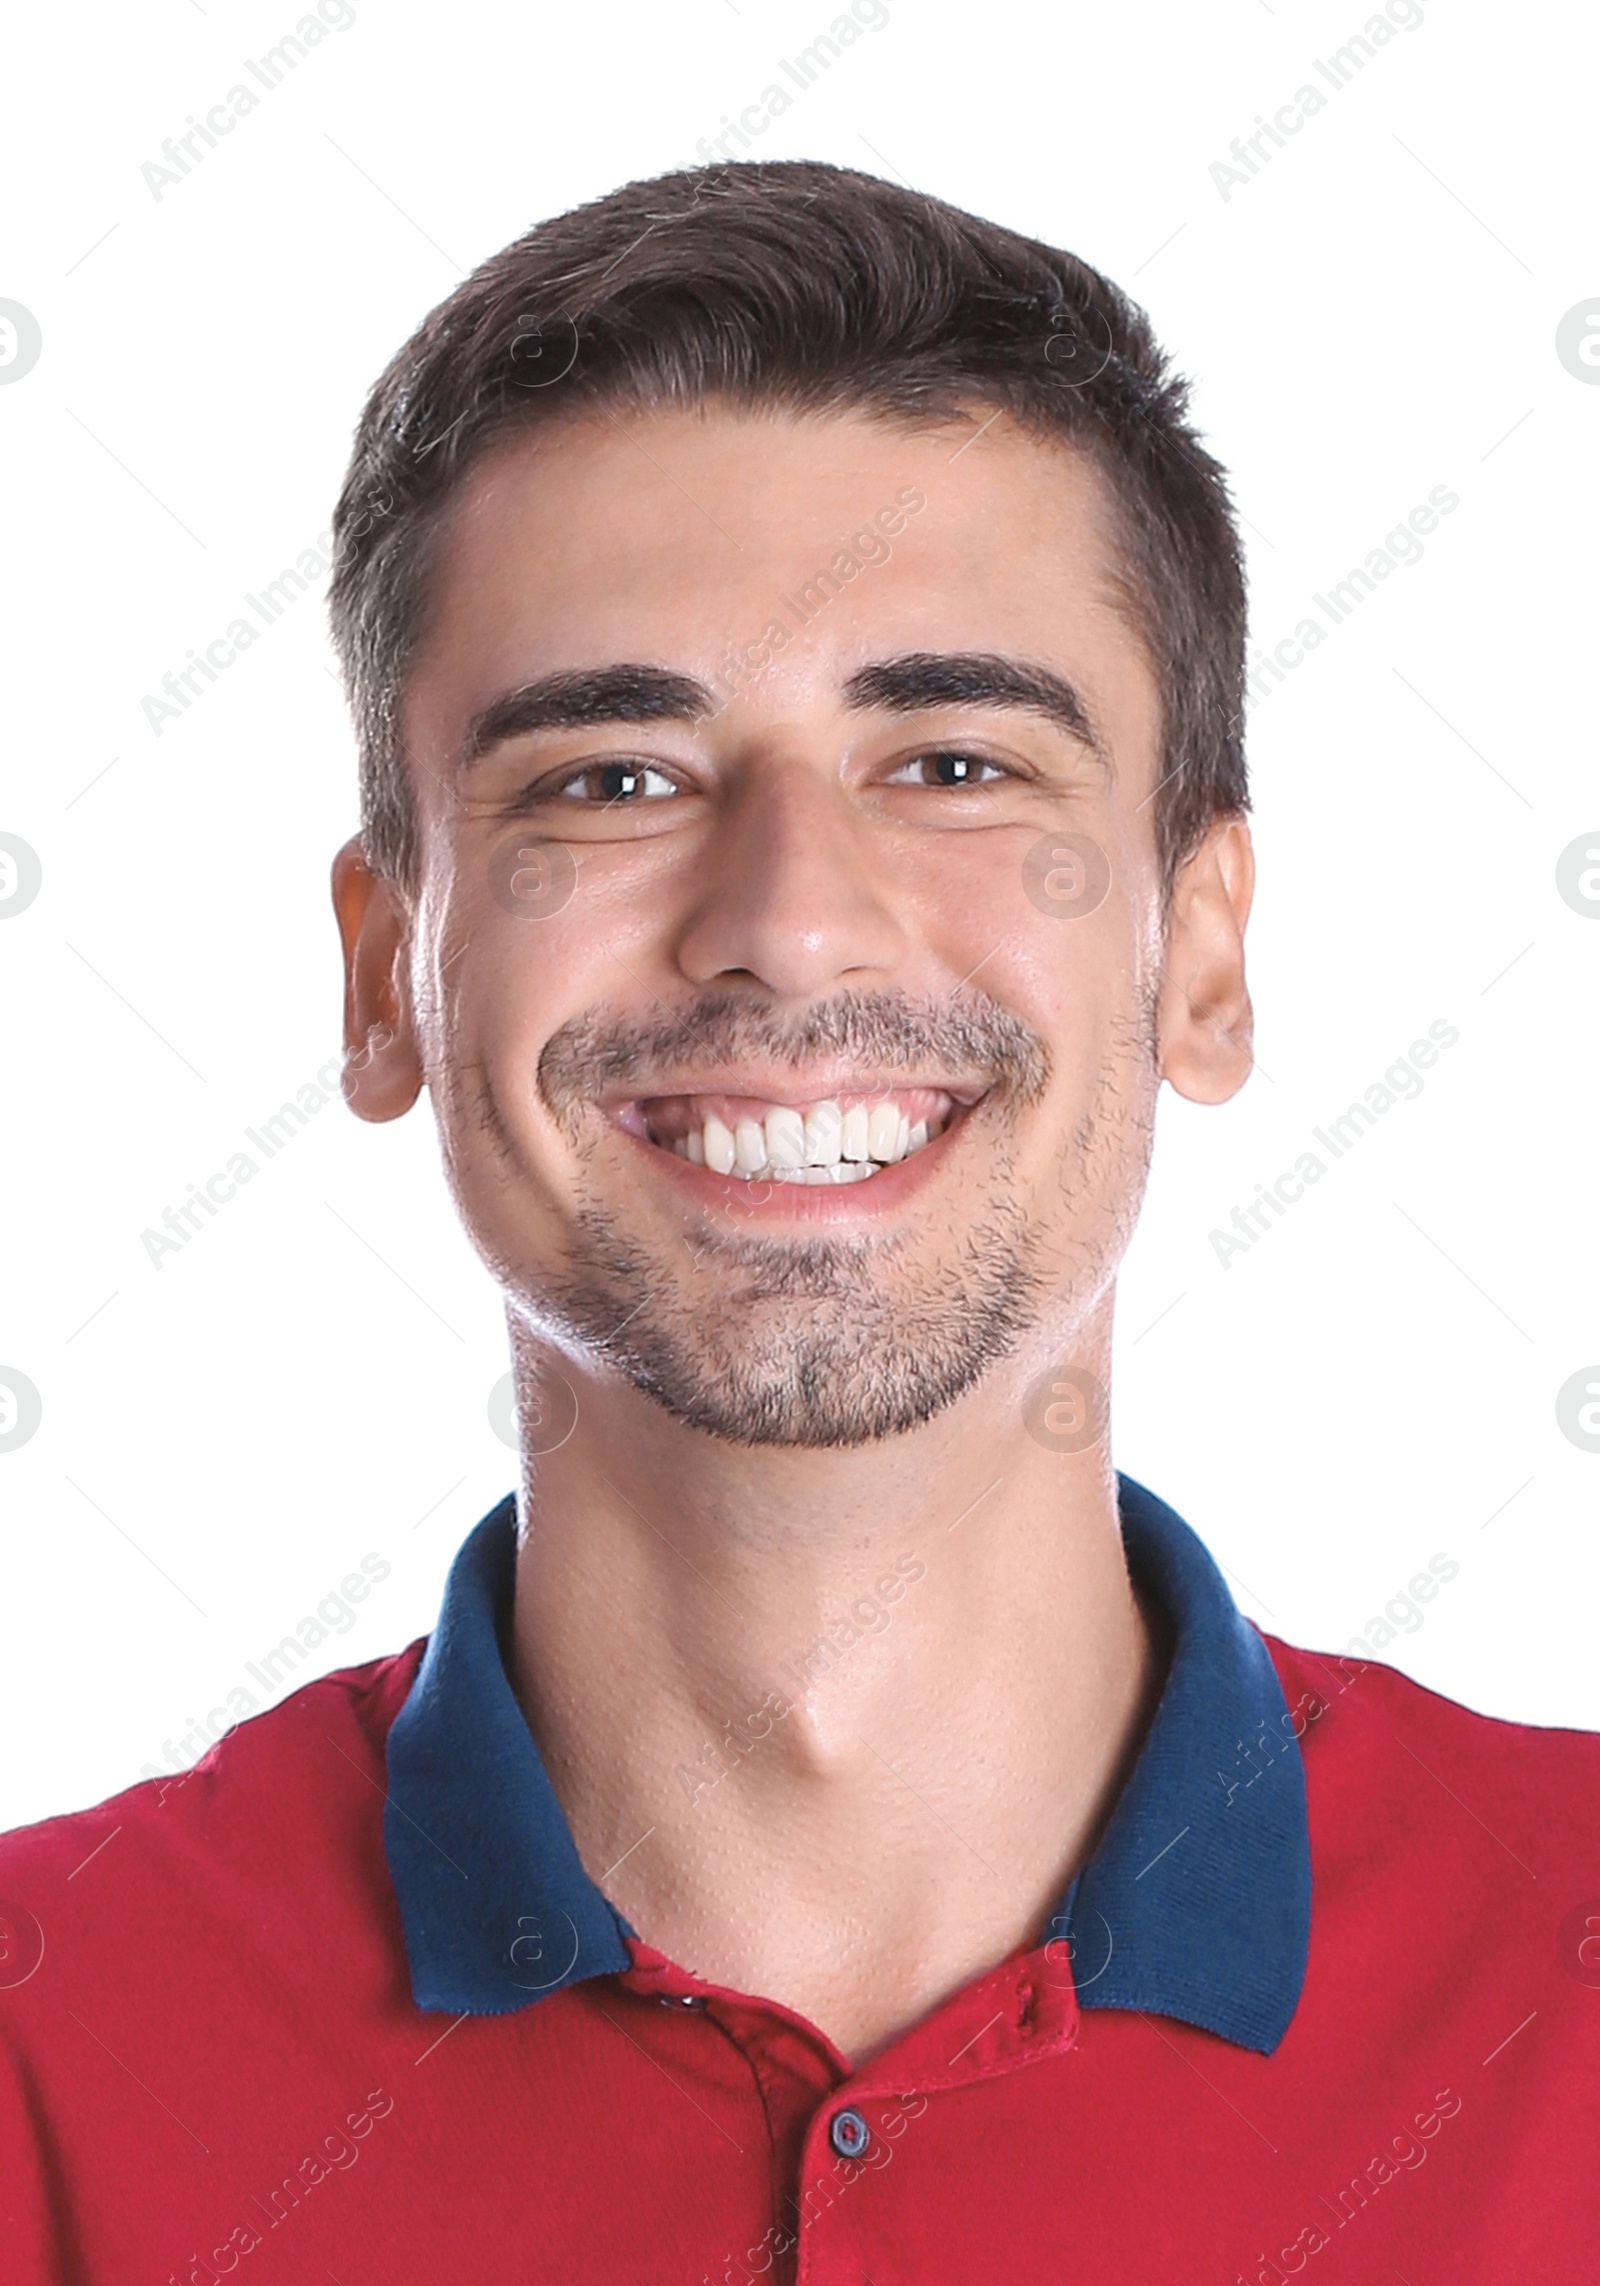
x=786, y=964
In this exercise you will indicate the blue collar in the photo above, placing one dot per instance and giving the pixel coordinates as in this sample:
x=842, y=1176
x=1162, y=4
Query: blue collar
x=1197, y=1903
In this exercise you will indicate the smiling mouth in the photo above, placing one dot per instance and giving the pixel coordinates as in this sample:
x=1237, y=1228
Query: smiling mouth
x=838, y=1139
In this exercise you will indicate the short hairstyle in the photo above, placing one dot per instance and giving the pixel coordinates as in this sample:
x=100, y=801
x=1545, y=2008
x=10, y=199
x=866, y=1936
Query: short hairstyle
x=806, y=288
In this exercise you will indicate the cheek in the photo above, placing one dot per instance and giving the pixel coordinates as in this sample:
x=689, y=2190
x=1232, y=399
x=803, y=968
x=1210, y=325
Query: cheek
x=492, y=990
x=1032, y=918
x=1087, y=987
x=504, y=941
x=1060, y=930
x=1084, y=985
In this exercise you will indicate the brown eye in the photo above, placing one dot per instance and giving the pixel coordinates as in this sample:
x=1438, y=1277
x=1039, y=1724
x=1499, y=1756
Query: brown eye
x=610, y=782
x=947, y=766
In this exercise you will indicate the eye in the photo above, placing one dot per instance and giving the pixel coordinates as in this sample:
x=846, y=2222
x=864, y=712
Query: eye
x=946, y=766
x=605, y=783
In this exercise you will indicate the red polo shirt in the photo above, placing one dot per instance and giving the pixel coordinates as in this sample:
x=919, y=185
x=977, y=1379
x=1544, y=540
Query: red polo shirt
x=344, y=2003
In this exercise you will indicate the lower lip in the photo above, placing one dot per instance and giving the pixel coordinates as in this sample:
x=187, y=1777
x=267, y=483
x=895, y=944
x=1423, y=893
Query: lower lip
x=762, y=1198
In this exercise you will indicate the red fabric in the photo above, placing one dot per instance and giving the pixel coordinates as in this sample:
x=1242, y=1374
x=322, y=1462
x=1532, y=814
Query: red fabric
x=221, y=2008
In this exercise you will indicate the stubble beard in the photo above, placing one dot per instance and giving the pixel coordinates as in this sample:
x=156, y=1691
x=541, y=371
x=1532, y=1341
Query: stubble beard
x=818, y=1341
x=838, y=1341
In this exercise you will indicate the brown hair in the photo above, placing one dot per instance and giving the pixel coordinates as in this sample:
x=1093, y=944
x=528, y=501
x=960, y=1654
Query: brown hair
x=807, y=288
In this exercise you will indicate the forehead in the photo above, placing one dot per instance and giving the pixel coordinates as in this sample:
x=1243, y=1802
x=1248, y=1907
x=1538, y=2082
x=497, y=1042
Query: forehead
x=683, y=537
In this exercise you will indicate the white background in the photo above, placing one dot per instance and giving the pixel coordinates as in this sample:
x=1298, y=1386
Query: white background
x=1371, y=316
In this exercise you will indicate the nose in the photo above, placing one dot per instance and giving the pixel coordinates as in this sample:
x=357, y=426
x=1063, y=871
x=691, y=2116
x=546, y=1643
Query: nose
x=794, y=895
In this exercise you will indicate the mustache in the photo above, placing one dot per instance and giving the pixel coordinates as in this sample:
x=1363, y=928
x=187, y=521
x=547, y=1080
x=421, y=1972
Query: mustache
x=882, y=1031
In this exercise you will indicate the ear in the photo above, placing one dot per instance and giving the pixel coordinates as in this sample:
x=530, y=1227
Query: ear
x=382, y=1066
x=1205, y=1024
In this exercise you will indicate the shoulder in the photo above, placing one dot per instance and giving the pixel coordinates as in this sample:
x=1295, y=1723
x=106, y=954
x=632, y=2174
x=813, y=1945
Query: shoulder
x=223, y=1936
x=265, y=1794
x=1386, y=1754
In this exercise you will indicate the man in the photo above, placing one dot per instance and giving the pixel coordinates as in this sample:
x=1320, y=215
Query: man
x=838, y=1829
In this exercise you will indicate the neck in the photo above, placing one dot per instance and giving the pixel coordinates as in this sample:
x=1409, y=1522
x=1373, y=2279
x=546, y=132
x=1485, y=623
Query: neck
x=832, y=1727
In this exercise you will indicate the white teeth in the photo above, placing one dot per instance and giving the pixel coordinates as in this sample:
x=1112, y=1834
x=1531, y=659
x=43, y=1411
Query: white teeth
x=883, y=1132
x=719, y=1145
x=825, y=1144
x=786, y=1139
x=823, y=1124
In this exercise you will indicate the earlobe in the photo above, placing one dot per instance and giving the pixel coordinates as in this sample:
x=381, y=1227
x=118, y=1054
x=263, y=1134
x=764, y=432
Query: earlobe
x=382, y=1068
x=1205, y=1020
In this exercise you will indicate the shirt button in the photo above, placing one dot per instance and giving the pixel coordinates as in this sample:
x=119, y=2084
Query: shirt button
x=683, y=1999
x=849, y=2133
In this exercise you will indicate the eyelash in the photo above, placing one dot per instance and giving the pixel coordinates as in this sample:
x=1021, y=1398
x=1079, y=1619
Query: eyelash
x=954, y=754
x=560, y=791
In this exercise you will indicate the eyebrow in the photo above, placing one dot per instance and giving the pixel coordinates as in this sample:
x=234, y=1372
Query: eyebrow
x=579, y=696
x=912, y=683
x=919, y=680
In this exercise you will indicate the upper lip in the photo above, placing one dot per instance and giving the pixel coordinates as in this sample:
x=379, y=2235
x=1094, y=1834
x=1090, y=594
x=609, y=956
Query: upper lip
x=796, y=1091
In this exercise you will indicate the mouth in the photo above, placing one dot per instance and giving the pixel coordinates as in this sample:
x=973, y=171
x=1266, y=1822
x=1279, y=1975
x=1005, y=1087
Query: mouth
x=849, y=1137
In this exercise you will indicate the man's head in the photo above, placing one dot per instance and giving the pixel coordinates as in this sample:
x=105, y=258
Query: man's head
x=796, y=644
